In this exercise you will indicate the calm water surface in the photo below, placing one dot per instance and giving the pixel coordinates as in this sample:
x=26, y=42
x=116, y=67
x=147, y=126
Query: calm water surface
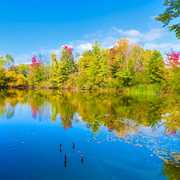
x=52, y=136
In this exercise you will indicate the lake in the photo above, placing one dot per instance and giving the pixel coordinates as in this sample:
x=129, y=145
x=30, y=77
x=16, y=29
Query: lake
x=48, y=135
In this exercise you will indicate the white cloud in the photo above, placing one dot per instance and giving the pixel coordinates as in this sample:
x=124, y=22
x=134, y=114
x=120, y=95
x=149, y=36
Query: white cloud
x=132, y=33
x=163, y=47
x=155, y=38
x=137, y=36
x=153, y=34
x=147, y=39
x=84, y=46
x=108, y=42
x=56, y=51
x=23, y=59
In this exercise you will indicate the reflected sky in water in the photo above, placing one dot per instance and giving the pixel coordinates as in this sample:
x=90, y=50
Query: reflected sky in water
x=49, y=135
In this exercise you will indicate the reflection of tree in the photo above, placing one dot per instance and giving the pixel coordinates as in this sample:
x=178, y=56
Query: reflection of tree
x=8, y=102
x=173, y=121
x=154, y=112
x=172, y=114
x=9, y=111
x=66, y=112
x=121, y=114
x=15, y=96
x=61, y=105
x=118, y=113
x=36, y=99
x=172, y=172
x=114, y=111
x=93, y=109
x=2, y=103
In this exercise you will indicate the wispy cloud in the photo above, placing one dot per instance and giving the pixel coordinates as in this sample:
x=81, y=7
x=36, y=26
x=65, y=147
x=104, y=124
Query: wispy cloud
x=153, y=34
x=84, y=46
x=163, y=46
x=22, y=58
x=137, y=36
x=155, y=38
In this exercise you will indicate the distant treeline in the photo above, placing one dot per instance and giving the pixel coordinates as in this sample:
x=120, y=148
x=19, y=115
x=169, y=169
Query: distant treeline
x=124, y=65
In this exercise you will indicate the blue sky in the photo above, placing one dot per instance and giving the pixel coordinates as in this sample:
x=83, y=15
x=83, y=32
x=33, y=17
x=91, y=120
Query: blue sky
x=29, y=27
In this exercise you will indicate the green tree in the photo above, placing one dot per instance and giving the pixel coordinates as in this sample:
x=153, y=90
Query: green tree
x=170, y=17
x=155, y=67
x=9, y=60
x=15, y=78
x=62, y=70
x=171, y=171
x=37, y=76
x=93, y=69
x=126, y=63
x=3, y=80
x=175, y=80
x=6, y=60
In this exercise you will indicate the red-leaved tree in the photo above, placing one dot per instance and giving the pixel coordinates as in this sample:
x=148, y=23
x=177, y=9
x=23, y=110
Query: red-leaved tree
x=174, y=57
x=35, y=61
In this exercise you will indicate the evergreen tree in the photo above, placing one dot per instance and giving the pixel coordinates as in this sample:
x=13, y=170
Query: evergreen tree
x=155, y=67
x=62, y=69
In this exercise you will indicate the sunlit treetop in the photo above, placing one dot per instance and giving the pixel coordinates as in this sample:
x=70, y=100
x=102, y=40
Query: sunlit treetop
x=68, y=48
x=35, y=61
x=174, y=57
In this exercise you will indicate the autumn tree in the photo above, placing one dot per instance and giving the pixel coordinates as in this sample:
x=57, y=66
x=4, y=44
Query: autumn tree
x=155, y=67
x=125, y=63
x=61, y=70
x=3, y=82
x=174, y=62
x=17, y=76
x=37, y=74
x=5, y=61
x=92, y=68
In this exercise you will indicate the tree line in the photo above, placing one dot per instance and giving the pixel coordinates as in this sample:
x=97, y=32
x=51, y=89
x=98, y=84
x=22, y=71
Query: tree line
x=124, y=65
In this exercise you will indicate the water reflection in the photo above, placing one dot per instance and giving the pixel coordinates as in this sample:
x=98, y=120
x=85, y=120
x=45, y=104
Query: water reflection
x=171, y=171
x=67, y=155
x=60, y=148
x=122, y=114
x=128, y=117
x=73, y=146
x=65, y=160
x=82, y=159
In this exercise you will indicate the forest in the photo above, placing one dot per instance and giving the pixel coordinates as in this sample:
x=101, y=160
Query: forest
x=124, y=65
